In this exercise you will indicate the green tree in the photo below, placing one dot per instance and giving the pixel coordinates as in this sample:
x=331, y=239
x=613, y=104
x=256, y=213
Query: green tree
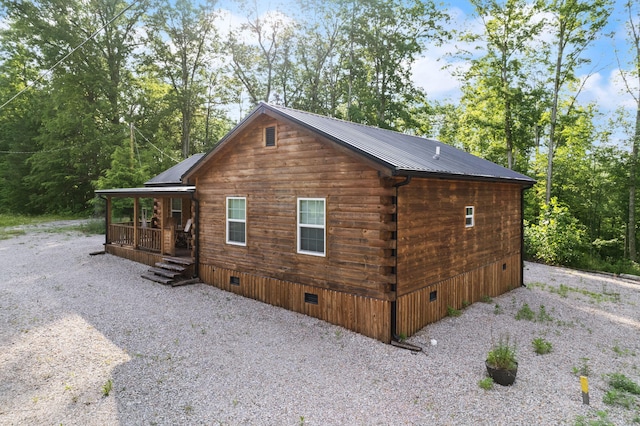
x=19, y=123
x=180, y=37
x=633, y=74
x=498, y=79
x=84, y=47
x=574, y=25
x=318, y=58
x=262, y=59
x=384, y=39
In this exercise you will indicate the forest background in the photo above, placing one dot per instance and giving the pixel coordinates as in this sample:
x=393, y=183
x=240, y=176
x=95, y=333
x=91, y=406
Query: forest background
x=108, y=93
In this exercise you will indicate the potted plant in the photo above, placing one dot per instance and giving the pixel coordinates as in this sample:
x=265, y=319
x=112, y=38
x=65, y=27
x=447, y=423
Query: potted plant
x=501, y=362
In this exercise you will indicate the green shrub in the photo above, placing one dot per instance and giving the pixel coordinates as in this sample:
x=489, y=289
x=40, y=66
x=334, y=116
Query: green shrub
x=618, y=397
x=623, y=383
x=558, y=238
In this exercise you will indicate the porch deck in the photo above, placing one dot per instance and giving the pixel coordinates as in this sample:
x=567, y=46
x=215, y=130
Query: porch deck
x=143, y=244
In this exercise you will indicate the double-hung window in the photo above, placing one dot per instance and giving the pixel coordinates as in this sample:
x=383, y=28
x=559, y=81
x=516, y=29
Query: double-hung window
x=176, y=210
x=237, y=221
x=311, y=226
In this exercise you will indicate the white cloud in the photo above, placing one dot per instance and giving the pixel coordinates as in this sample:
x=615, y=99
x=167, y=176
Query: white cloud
x=609, y=93
x=435, y=71
x=439, y=82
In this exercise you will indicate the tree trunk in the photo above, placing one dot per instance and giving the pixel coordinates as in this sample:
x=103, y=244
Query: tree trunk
x=632, y=188
x=554, y=113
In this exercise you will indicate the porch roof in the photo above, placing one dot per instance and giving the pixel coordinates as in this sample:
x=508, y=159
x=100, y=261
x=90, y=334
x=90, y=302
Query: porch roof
x=153, y=191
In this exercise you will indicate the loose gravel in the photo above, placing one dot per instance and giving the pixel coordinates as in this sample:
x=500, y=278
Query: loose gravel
x=85, y=341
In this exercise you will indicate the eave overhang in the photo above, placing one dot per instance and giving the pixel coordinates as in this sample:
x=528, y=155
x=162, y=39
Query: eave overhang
x=155, y=191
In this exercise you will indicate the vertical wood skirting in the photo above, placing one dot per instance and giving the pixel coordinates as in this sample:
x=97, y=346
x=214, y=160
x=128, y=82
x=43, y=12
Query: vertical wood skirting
x=415, y=310
x=364, y=315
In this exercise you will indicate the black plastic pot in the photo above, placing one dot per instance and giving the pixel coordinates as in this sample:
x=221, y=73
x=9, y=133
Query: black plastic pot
x=502, y=376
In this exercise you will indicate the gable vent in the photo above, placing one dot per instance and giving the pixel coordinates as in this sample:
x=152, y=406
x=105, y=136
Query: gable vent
x=270, y=136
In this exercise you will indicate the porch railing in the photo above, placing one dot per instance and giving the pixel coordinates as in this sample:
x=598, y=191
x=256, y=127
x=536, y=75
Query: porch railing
x=123, y=234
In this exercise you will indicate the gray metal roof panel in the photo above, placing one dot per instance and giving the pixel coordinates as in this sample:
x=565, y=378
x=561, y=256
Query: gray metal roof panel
x=173, y=175
x=405, y=154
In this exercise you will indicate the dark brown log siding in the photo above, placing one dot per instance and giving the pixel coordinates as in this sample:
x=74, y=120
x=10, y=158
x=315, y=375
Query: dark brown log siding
x=359, y=211
x=433, y=242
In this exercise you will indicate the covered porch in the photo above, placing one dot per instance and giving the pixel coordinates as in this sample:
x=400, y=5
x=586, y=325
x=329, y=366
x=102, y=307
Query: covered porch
x=157, y=222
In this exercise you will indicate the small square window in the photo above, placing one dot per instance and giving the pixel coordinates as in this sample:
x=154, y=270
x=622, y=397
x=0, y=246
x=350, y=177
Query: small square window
x=433, y=296
x=270, y=136
x=469, y=220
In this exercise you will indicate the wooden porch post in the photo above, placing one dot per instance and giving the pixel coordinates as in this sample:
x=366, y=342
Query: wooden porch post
x=107, y=222
x=136, y=213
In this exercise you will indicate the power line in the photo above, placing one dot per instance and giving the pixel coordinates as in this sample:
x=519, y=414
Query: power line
x=150, y=143
x=41, y=76
x=36, y=152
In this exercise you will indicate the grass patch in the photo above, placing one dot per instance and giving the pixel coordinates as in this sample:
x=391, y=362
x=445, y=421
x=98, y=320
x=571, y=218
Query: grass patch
x=601, y=419
x=541, y=346
x=5, y=234
x=486, y=383
x=605, y=296
x=91, y=227
x=584, y=369
x=107, y=387
x=525, y=313
x=543, y=316
x=453, y=312
x=621, y=382
x=622, y=351
x=10, y=220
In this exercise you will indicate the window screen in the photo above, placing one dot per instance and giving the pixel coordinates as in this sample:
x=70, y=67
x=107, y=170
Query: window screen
x=236, y=220
x=311, y=226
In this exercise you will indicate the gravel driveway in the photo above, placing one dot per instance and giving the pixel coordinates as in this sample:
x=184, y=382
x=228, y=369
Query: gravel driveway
x=73, y=324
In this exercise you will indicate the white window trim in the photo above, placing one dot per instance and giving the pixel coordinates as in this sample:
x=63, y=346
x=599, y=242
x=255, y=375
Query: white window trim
x=228, y=221
x=469, y=216
x=323, y=227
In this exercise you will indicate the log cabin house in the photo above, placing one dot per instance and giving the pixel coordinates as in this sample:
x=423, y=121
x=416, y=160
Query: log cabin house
x=373, y=230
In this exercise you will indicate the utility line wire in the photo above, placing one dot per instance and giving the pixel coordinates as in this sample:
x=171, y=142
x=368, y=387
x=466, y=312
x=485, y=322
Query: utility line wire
x=37, y=152
x=150, y=143
x=41, y=76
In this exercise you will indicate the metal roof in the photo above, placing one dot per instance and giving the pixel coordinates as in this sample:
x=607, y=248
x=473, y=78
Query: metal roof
x=173, y=175
x=405, y=155
x=149, y=191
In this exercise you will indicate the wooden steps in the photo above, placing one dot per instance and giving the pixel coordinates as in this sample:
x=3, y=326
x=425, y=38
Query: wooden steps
x=173, y=271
